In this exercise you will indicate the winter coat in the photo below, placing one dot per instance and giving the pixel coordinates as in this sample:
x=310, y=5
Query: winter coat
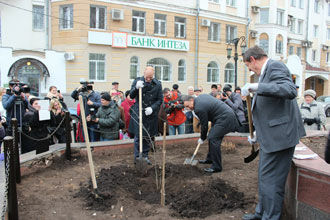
x=313, y=115
x=109, y=117
x=174, y=110
x=152, y=96
x=235, y=102
x=127, y=104
x=93, y=96
x=9, y=103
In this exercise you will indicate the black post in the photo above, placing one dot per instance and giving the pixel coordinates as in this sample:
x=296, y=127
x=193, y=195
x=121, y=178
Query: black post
x=12, y=193
x=16, y=149
x=68, y=136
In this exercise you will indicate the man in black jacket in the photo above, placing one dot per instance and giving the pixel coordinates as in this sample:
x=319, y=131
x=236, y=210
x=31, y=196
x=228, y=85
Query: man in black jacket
x=223, y=119
x=152, y=98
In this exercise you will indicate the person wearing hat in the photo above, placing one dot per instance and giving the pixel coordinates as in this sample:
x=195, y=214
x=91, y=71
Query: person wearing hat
x=108, y=118
x=312, y=112
x=234, y=100
x=115, y=86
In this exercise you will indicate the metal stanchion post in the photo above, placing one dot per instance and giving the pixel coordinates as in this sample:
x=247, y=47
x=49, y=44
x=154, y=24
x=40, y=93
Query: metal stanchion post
x=12, y=193
x=68, y=136
x=16, y=149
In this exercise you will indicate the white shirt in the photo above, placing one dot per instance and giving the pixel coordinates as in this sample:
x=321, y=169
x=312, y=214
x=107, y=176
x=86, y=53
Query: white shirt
x=263, y=69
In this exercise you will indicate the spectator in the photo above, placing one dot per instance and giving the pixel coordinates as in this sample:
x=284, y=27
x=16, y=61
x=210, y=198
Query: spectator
x=35, y=128
x=312, y=112
x=116, y=96
x=115, y=86
x=197, y=92
x=108, y=118
x=152, y=100
x=55, y=93
x=175, y=89
x=15, y=104
x=91, y=101
x=58, y=114
x=2, y=109
x=219, y=88
x=174, y=110
x=238, y=90
x=214, y=88
x=191, y=91
x=234, y=101
x=216, y=95
x=127, y=104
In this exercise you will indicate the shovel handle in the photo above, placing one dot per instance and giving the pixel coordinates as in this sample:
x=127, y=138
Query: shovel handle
x=193, y=156
x=140, y=121
x=248, y=103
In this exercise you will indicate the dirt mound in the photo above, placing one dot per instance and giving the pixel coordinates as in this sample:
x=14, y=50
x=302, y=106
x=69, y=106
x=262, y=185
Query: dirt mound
x=189, y=192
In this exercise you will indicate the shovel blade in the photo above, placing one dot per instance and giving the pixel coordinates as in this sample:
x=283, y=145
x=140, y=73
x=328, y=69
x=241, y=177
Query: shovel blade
x=251, y=157
x=141, y=165
x=189, y=161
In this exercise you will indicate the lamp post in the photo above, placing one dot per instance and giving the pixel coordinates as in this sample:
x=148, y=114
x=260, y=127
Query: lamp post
x=234, y=42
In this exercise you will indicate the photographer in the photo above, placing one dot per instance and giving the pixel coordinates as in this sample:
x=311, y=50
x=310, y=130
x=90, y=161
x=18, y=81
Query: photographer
x=15, y=103
x=92, y=101
x=55, y=93
x=174, y=110
x=234, y=100
x=108, y=118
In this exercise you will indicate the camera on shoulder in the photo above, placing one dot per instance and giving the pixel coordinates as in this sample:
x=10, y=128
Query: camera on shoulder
x=86, y=85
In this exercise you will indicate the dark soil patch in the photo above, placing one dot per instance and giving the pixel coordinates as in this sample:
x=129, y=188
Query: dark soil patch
x=186, y=197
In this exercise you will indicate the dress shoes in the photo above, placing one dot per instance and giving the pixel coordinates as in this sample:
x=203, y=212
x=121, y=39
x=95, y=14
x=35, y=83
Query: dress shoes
x=205, y=161
x=251, y=217
x=211, y=170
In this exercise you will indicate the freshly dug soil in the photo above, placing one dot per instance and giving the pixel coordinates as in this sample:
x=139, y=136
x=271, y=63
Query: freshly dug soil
x=188, y=198
x=316, y=144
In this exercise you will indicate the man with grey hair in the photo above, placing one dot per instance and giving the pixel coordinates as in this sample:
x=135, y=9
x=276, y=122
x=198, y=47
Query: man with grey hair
x=278, y=125
x=223, y=119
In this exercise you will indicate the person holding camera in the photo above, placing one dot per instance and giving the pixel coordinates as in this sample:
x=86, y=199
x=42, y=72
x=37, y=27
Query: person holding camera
x=15, y=103
x=91, y=101
x=57, y=112
x=108, y=118
x=174, y=110
x=55, y=93
x=152, y=99
x=312, y=112
x=234, y=100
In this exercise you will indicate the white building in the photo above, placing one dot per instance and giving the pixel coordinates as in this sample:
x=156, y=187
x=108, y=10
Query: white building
x=25, y=50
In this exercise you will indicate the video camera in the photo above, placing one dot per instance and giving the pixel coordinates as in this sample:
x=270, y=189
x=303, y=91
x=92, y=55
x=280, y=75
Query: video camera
x=92, y=113
x=19, y=88
x=86, y=86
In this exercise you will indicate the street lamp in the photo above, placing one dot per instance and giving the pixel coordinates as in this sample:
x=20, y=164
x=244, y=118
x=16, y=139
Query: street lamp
x=229, y=49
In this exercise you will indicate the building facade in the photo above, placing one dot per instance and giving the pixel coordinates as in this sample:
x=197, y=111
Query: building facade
x=25, y=50
x=185, y=41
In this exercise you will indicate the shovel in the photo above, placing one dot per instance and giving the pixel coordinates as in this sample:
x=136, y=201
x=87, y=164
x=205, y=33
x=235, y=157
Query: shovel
x=140, y=163
x=191, y=161
x=254, y=153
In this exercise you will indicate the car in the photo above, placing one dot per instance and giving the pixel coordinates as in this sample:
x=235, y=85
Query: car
x=325, y=102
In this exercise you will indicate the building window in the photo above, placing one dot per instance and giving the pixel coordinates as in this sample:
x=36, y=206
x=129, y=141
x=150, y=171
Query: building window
x=160, y=24
x=214, y=1
x=96, y=66
x=214, y=32
x=315, y=30
x=279, y=47
x=301, y=4
x=317, y=6
x=180, y=27
x=264, y=15
x=291, y=50
x=212, y=72
x=38, y=17
x=263, y=43
x=293, y=3
x=97, y=17
x=299, y=52
x=231, y=33
x=327, y=58
x=293, y=25
x=181, y=70
x=231, y=3
x=229, y=73
x=314, y=55
x=134, y=69
x=66, y=17
x=328, y=33
x=280, y=14
x=313, y=83
x=300, y=27
x=162, y=68
x=138, y=22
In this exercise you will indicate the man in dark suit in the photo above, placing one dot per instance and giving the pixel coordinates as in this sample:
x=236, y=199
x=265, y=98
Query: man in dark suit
x=152, y=98
x=223, y=119
x=278, y=125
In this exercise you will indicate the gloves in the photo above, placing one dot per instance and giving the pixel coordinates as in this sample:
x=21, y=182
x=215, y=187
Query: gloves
x=317, y=120
x=249, y=87
x=254, y=139
x=148, y=110
x=309, y=121
x=139, y=84
x=200, y=141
